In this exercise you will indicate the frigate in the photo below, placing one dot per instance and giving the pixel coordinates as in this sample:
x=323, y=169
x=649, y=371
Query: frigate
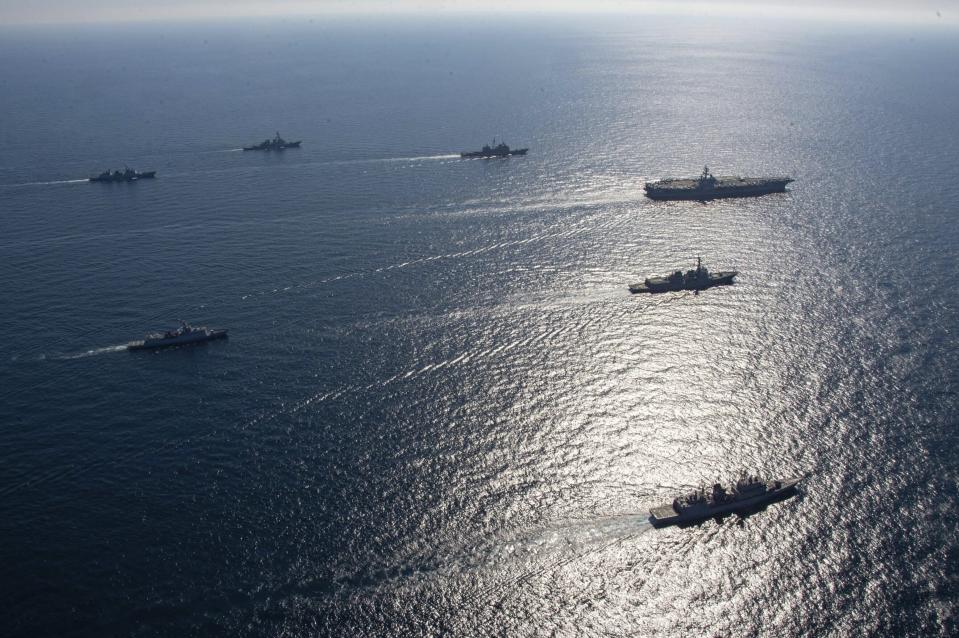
x=746, y=494
x=496, y=150
x=694, y=279
x=185, y=334
x=126, y=175
x=276, y=144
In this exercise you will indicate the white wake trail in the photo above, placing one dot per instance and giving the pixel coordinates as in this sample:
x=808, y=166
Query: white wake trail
x=61, y=181
x=93, y=352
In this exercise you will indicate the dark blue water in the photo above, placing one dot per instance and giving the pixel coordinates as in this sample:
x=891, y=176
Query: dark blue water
x=439, y=411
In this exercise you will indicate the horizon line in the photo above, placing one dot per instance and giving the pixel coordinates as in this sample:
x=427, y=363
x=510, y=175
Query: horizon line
x=301, y=9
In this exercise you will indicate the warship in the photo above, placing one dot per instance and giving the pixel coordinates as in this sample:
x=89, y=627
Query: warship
x=126, y=175
x=747, y=494
x=698, y=279
x=185, y=334
x=497, y=150
x=707, y=186
x=276, y=144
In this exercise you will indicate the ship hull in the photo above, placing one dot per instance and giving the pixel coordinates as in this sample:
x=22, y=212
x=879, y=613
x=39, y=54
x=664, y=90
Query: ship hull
x=717, y=279
x=666, y=515
x=155, y=344
x=282, y=147
x=720, y=191
x=132, y=178
x=519, y=151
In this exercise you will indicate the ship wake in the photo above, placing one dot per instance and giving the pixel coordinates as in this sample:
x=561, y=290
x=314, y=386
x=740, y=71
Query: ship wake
x=92, y=353
x=53, y=183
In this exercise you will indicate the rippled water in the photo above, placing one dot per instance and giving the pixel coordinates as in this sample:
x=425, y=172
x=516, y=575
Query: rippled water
x=439, y=410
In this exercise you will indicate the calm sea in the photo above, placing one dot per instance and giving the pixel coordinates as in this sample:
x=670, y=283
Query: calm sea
x=439, y=411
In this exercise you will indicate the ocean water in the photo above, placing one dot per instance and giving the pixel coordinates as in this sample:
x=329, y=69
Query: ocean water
x=439, y=411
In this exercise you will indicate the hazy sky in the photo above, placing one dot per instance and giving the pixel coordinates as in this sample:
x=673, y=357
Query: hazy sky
x=53, y=11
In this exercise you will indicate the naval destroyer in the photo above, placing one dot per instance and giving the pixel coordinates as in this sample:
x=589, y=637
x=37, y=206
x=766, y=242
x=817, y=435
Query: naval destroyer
x=707, y=186
x=747, y=494
x=276, y=144
x=694, y=279
x=497, y=150
x=126, y=175
x=185, y=334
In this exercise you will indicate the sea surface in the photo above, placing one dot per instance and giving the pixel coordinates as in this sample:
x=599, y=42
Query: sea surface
x=439, y=411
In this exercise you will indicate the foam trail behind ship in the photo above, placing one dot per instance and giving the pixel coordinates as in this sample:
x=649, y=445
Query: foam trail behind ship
x=94, y=352
x=51, y=183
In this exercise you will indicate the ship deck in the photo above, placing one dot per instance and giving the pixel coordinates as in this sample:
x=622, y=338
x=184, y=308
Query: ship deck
x=664, y=514
x=777, y=491
x=725, y=181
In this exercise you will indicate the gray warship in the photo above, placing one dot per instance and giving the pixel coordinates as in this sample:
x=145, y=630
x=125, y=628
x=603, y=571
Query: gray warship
x=126, y=175
x=497, y=150
x=185, y=334
x=747, y=494
x=276, y=144
x=707, y=186
x=697, y=279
